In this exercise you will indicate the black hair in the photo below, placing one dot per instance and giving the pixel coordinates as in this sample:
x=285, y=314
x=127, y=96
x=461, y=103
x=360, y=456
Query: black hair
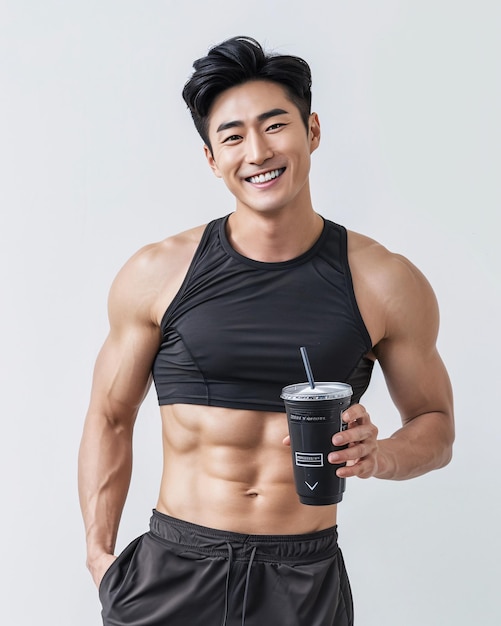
x=237, y=61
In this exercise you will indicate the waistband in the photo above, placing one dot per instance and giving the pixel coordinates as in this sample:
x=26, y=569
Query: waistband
x=302, y=548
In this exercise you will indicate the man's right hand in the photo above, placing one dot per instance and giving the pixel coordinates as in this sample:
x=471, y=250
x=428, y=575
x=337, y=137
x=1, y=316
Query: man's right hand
x=100, y=566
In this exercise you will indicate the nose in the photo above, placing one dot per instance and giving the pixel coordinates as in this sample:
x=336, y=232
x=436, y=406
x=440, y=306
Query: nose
x=258, y=148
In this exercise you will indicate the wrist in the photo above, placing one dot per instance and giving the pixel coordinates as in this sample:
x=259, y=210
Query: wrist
x=98, y=566
x=95, y=557
x=385, y=461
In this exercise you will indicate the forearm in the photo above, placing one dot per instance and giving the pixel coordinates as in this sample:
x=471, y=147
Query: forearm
x=105, y=465
x=420, y=446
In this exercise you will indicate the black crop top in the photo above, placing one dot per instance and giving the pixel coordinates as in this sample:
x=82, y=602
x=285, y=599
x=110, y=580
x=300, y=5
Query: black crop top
x=231, y=336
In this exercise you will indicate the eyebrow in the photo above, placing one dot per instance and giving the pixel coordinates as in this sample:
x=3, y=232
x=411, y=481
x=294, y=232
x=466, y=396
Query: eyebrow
x=262, y=117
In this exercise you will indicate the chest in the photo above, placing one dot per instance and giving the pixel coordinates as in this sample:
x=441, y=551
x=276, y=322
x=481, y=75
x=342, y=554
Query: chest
x=247, y=323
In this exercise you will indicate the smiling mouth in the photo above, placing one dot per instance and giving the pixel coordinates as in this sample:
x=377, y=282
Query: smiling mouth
x=265, y=178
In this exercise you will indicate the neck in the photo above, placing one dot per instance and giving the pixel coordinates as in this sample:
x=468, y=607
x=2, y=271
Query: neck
x=273, y=238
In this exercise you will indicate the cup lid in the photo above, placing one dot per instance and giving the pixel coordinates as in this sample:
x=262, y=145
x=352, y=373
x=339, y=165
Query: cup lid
x=322, y=391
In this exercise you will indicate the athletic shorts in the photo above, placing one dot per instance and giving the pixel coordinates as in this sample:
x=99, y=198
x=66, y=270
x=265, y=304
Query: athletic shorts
x=182, y=574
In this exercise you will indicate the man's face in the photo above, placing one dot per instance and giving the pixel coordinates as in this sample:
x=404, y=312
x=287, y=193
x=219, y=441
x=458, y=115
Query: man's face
x=260, y=146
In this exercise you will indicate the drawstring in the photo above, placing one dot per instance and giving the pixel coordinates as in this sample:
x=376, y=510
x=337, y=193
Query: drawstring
x=228, y=571
x=227, y=589
x=247, y=579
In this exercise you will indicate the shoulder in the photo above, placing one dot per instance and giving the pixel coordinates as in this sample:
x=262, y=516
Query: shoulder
x=154, y=273
x=373, y=259
x=166, y=255
x=393, y=292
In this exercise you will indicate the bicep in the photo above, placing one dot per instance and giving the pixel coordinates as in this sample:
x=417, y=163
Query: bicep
x=417, y=380
x=414, y=371
x=122, y=373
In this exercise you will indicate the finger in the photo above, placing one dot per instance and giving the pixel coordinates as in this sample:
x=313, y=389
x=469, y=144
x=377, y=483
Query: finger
x=363, y=469
x=357, y=432
x=351, y=454
x=356, y=414
x=286, y=441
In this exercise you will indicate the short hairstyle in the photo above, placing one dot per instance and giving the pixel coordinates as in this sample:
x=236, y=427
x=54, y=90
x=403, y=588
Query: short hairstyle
x=239, y=60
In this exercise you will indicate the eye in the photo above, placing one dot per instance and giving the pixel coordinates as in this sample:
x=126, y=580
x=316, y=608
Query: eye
x=232, y=139
x=276, y=126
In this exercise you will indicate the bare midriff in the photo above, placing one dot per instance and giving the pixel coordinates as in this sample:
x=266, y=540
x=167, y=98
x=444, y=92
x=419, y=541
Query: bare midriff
x=229, y=469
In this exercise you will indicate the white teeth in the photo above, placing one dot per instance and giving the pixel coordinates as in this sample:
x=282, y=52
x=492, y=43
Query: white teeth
x=264, y=178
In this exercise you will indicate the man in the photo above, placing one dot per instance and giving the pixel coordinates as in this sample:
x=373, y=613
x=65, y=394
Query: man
x=217, y=315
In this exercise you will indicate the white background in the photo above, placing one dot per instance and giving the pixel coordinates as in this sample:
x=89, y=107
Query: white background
x=98, y=156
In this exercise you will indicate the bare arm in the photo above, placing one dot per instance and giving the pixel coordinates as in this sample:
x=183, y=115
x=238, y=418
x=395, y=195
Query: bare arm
x=417, y=381
x=416, y=377
x=121, y=380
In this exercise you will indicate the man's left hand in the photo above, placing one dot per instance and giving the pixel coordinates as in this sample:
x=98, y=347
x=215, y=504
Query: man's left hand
x=361, y=437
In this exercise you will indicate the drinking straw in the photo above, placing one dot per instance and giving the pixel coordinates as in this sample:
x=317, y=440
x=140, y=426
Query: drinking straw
x=307, y=367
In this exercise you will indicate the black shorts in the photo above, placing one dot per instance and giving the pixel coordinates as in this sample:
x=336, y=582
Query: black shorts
x=181, y=574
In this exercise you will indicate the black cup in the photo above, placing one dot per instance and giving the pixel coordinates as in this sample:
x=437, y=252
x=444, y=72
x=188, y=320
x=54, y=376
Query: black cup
x=314, y=416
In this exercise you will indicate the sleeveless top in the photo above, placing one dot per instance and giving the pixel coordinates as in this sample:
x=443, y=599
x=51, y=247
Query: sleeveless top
x=231, y=335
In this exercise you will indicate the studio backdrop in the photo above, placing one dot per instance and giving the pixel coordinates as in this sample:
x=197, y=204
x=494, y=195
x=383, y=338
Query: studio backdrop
x=99, y=156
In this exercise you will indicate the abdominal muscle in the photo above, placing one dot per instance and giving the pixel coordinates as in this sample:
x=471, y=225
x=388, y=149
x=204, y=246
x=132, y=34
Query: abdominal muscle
x=229, y=469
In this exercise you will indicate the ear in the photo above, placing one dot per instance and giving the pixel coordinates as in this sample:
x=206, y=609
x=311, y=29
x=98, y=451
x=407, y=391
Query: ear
x=211, y=161
x=314, y=132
